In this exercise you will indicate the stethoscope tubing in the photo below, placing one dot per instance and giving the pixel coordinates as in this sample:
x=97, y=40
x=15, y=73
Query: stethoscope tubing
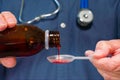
x=83, y=4
x=38, y=18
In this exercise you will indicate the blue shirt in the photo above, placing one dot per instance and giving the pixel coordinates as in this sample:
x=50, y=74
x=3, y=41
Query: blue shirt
x=74, y=40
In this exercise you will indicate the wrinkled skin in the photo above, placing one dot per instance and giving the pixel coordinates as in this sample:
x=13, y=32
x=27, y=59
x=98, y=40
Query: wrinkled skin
x=106, y=58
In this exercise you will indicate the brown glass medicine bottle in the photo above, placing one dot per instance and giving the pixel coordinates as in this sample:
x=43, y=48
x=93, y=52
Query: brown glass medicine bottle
x=26, y=40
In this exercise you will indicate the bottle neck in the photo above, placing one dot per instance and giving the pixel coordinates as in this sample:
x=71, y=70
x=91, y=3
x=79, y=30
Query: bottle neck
x=52, y=39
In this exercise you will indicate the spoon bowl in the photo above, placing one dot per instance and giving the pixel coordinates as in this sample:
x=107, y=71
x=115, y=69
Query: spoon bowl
x=64, y=58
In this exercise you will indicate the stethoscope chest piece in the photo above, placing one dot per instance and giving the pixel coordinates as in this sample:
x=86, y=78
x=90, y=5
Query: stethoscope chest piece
x=85, y=17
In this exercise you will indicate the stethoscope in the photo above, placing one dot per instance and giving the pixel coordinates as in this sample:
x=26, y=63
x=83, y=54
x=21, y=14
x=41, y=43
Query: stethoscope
x=38, y=18
x=84, y=17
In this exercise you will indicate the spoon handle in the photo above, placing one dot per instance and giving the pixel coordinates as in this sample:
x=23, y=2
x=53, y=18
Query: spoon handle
x=82, y=58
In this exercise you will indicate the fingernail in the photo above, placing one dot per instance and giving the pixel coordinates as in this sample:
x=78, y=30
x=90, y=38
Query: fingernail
x=89, y=53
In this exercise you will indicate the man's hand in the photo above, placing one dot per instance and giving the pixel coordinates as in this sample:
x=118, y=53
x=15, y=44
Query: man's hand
x=7, y=20
x=106, y=58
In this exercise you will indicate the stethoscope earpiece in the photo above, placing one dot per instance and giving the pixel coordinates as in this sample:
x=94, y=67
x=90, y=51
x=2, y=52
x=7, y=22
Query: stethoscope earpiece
x=84, y=17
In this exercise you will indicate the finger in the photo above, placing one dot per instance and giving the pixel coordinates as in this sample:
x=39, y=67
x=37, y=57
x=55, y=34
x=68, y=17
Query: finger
x=107, y=63
x=106, y=48
x=103, y=48
x=89, y=53
x=99, y=63
x=3, y=23
x=8, y=62
x=102, y=63
x=10, y=18
x=115, y=62
x=117, y=51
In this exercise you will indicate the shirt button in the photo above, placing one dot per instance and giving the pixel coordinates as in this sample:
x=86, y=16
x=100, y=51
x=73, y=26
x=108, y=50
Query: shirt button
x=62, y=25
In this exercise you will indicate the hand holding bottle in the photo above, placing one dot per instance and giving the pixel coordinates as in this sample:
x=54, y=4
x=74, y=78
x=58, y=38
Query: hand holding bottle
x=24, y=39
x=7, y=20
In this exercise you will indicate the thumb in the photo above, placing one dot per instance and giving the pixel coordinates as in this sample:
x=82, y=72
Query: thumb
x=8, y=62
x=89, y=53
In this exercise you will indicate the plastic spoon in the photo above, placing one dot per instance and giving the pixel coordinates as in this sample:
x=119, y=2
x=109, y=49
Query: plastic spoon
x=62, y=59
